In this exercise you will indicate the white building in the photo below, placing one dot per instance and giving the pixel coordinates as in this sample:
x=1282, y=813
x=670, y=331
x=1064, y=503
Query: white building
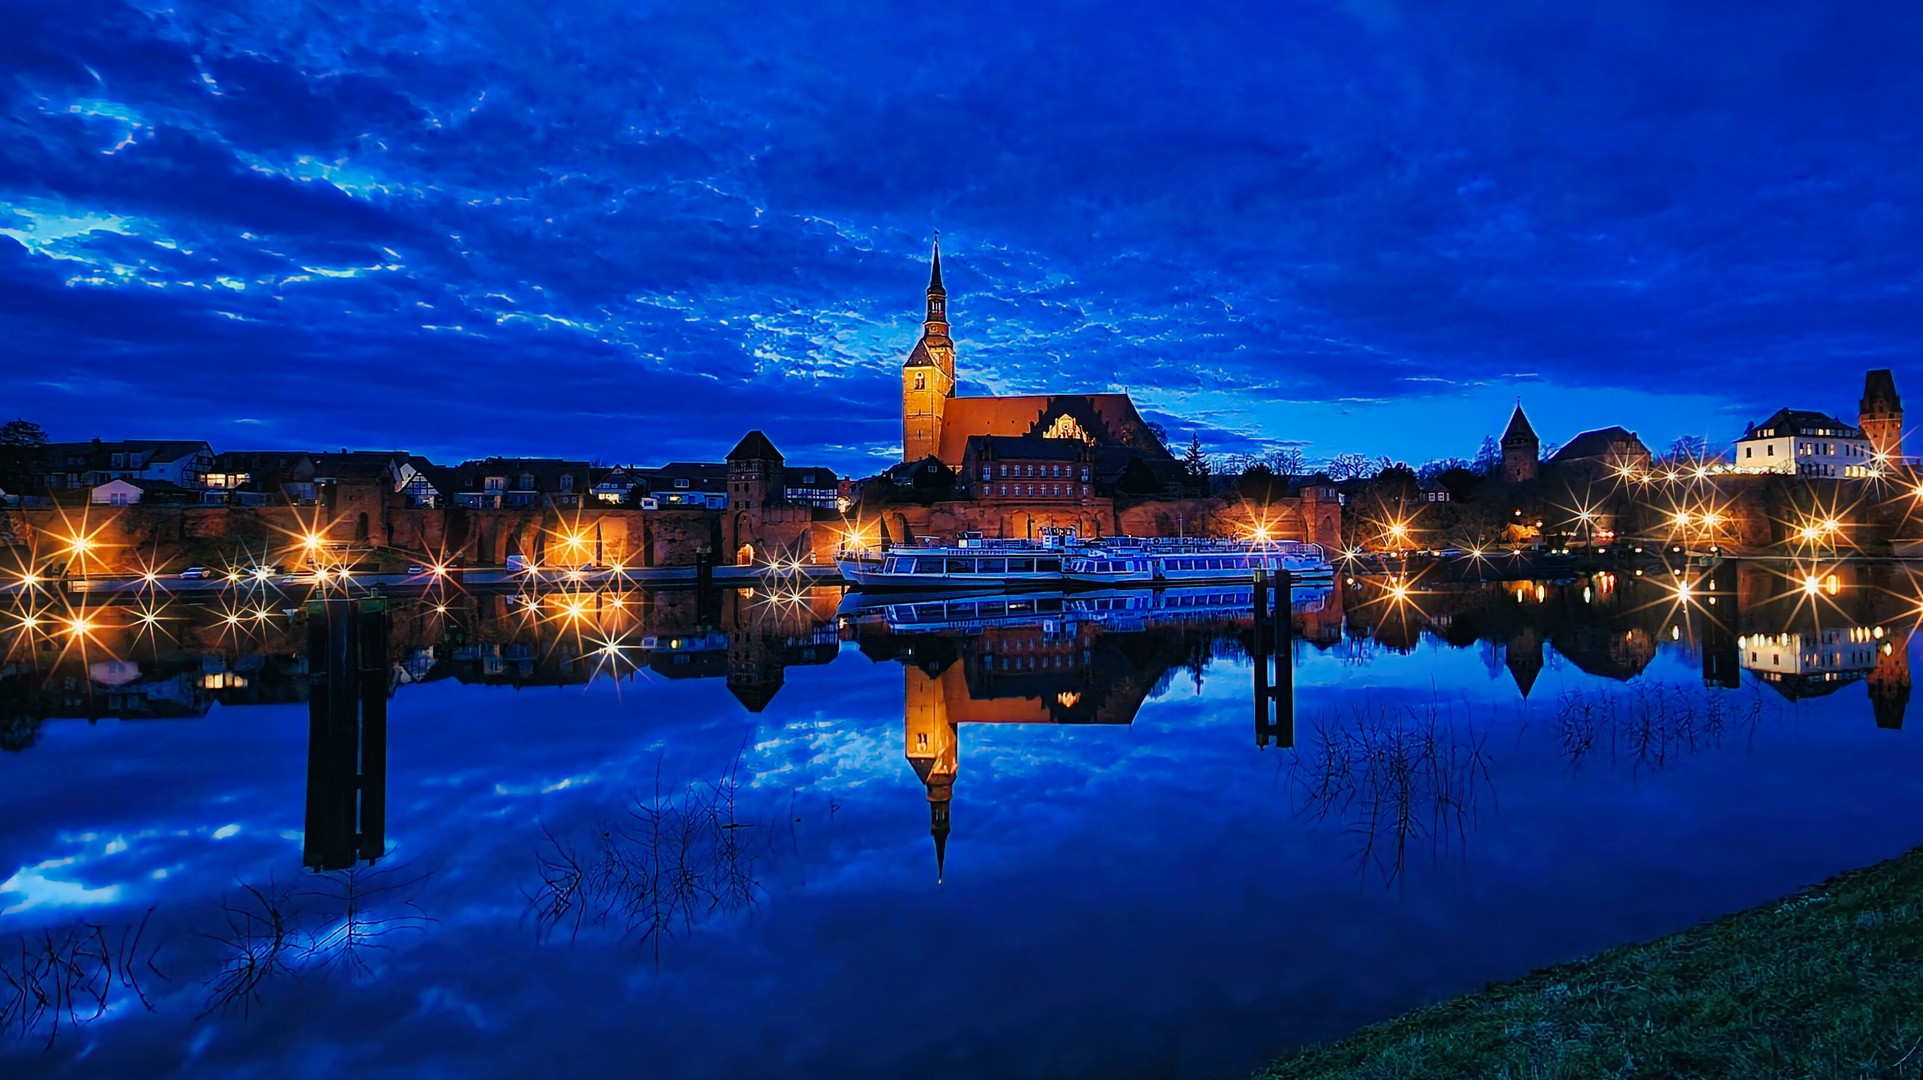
x=115, y=493
x=1805, y=444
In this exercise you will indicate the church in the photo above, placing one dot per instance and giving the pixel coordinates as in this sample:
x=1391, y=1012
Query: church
x=937, y=423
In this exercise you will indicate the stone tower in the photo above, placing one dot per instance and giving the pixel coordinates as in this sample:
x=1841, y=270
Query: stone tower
x=754, y=473
x=1880, y=415
x=1520, y=448
x=932, y=748
x=928, y=375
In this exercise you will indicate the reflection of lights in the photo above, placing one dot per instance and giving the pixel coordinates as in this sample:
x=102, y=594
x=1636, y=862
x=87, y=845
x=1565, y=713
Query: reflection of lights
x=1675, y=633
x=440, y=609
x=1067, y=699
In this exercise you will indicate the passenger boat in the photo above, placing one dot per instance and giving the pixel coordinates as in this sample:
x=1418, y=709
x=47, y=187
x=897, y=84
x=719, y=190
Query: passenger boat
x=958, y=567
x=978, y=563
x=1121, y=609
x=1195, y=561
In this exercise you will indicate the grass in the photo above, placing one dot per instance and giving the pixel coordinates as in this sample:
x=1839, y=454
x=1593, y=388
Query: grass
x=1825, y=983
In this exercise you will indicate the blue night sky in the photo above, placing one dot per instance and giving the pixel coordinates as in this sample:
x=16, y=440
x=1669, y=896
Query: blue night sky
x=632, y=231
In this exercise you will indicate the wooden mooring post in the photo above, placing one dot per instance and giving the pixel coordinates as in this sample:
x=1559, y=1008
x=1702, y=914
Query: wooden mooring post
x=1274, y=640
x=347, y=673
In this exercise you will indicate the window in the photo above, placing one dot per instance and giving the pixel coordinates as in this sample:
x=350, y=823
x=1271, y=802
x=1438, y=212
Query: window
x=921, y=380
x=988, y=472
x=495, y=483
x=120, y=461
x=681, y=483
x=526, y=482
x=567, y=481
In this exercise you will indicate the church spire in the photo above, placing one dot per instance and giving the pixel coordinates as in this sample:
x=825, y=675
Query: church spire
x=939, y=830
x=937, y=320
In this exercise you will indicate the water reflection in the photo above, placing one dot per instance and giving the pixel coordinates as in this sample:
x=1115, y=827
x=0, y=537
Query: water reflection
x=1401, y=711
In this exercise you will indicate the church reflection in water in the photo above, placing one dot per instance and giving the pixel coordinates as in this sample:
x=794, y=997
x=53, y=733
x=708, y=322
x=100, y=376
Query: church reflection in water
x=1090, y=658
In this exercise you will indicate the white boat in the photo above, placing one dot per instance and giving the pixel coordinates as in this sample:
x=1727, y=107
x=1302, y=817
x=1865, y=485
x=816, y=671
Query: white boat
x=957, y=567
x=977, y=563
x=1108, y=565
x=1204, y=561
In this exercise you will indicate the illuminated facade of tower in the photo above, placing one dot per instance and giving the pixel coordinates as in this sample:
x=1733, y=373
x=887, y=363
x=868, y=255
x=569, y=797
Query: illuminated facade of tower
x=929, y=741
x=1880, y=415
x=928, y=376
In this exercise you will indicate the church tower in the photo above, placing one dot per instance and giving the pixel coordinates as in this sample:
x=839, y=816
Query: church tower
x=932, y=748
x=928, y=376
x=1520, y=448
x=1880, y=415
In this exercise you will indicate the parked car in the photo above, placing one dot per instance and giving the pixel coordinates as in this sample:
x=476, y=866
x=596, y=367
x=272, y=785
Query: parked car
x=193, y=573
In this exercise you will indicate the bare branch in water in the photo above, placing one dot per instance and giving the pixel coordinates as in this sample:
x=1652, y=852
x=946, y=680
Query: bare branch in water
x=60, y=979
x=676, y=861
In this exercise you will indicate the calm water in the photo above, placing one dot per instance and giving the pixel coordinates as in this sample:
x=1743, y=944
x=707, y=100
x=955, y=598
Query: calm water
x=711, y=849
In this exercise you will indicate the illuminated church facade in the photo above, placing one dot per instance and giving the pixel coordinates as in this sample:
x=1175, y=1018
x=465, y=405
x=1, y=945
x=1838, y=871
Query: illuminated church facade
x=937, y=423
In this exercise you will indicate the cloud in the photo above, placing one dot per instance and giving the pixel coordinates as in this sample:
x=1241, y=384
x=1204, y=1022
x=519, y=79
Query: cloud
x=626, y=233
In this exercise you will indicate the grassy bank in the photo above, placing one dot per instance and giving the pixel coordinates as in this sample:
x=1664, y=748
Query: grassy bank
x=1825, y=983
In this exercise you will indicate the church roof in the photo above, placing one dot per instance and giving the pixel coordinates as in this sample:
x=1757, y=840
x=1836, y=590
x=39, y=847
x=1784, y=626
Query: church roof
x=754, y=446
x=934, y=276
x=1519, y=427
x=1110, y=419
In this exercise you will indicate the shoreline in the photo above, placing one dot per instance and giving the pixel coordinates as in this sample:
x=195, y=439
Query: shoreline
x=1827, y=981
